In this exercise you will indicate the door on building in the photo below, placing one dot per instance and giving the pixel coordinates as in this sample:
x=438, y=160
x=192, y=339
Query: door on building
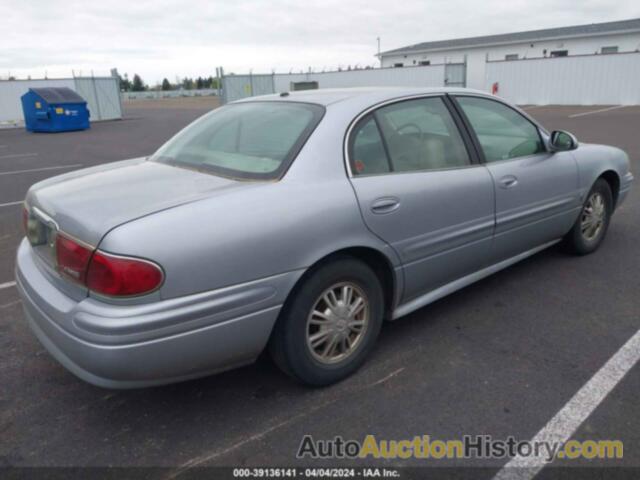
x=455, y=75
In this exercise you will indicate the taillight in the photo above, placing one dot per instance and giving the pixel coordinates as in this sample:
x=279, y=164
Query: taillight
x=104, y=273
x=115, y=275
x=72, y=258
x=101, y=272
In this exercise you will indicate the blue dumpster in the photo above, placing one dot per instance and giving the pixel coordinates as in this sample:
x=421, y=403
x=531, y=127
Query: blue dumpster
x=54, y=110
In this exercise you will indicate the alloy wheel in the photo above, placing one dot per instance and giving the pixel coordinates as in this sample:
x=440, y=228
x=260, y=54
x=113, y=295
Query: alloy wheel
x=593, y=217
x=337, y=323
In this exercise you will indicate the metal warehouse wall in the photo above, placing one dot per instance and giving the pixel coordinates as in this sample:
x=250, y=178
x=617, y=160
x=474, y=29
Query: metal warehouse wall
x=149, y=94
x=626, y=42
x=235, y=87
x=581, y=80
x=102, y=96
x=430, y=76
x=241, y=86
x=11, y=91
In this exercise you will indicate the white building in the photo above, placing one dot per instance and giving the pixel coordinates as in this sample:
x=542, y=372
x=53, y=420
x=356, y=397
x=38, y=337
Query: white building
x=594, y=39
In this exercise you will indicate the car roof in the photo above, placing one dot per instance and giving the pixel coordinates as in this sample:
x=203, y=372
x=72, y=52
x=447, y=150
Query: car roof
x=329, y=96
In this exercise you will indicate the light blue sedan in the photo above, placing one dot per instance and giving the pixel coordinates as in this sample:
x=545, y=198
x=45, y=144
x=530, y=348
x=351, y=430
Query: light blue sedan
x=298, y=222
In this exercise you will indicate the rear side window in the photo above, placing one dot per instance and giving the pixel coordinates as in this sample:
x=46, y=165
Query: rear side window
x=502, y=132
x=368, y=155
x=253, y=140
x=407, y=136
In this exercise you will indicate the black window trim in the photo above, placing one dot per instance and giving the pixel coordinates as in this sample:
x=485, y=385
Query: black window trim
x=476, y=142
x=474, y=159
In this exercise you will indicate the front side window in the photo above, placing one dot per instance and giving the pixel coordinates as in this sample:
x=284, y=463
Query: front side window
x=502, y=132
x=253, y=140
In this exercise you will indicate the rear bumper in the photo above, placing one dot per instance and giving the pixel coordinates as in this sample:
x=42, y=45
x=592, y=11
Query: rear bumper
x=131, y=346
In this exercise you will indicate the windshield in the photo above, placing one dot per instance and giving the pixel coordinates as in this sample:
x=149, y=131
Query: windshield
x=253, y=140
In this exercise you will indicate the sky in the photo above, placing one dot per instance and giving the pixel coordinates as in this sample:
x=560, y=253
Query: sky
x=168, y=38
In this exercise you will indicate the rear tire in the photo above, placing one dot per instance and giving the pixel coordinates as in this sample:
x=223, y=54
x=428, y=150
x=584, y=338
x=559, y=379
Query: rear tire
x=591, y=226
x=330, y=324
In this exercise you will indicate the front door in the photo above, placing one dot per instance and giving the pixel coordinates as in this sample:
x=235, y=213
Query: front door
x=537, y=198
x=420, y=190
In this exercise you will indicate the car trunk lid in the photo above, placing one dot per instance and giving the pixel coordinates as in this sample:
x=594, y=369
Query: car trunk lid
x=86, y=204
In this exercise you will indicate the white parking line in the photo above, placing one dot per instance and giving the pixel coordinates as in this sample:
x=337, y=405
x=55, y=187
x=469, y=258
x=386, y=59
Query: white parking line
x=561, y=427
x=57, y=167
x=7, y=285
x=18, y=155
x=11, y=203
x=596, y=111
x=10, y=304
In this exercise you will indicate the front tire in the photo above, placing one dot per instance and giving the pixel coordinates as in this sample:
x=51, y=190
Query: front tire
x=330, y=324
x=591, y=226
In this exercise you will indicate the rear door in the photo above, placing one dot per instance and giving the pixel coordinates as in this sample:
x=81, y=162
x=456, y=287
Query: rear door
x=537, y=198
x=422, y=191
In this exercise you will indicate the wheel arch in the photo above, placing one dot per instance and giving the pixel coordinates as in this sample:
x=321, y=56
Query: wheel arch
x=613, y=179
x=379, y=262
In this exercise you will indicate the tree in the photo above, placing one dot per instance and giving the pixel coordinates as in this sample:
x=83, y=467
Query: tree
x=211, y=82
x=199, y=83
x=187, y=83
x=166, y=85
x=125, y=83
x=138, y=85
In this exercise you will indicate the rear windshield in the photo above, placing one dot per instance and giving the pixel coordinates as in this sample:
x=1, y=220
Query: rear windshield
x=253, y=140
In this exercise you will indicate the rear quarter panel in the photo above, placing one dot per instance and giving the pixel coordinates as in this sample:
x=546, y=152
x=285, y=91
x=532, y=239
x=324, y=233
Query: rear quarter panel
x=273, y=227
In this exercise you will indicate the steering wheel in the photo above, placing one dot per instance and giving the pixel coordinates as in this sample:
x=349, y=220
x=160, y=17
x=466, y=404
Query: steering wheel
x=410, y=125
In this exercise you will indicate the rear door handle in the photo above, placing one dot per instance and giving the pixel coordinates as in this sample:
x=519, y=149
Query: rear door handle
x=385, y=205
x=508, y=181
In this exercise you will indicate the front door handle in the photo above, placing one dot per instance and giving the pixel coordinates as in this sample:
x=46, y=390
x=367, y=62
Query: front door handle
x=508, y=181
x=385, y=205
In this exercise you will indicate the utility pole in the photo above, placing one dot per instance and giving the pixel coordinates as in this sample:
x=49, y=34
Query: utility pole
x=379, y=59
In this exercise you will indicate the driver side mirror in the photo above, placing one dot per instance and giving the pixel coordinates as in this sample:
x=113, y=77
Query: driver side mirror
x=562, y=141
